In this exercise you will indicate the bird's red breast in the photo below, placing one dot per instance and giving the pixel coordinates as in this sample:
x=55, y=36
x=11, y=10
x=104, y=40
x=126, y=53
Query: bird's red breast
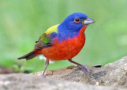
x=65, y=49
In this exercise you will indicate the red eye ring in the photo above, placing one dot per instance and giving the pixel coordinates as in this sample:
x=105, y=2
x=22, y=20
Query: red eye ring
x=77, y=20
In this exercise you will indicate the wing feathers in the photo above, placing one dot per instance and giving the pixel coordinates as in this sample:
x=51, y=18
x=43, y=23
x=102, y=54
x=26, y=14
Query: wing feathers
x=46, y=38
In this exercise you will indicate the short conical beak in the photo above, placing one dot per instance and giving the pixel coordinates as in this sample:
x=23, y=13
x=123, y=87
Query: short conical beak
x=88, y=21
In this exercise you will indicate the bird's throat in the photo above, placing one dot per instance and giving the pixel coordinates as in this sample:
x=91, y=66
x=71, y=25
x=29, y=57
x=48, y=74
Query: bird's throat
x=82, y=30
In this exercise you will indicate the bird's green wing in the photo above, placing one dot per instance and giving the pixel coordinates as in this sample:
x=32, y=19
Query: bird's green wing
x=46, y=38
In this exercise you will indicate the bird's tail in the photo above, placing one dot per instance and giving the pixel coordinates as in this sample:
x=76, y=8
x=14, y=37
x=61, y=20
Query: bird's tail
x=29, y=55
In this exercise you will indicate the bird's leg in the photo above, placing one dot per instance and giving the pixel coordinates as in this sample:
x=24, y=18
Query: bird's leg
x=80, y=65
x=46, y=65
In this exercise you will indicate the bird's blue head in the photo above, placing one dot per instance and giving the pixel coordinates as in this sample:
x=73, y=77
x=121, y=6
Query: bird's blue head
x=73, y=23
x=76, y=21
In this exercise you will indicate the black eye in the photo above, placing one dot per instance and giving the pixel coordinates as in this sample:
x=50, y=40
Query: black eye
x=77, y=20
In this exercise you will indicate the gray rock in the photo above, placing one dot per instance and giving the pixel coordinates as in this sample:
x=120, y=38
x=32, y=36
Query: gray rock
x=116, y=74
x=29, y=82
x=112, y=74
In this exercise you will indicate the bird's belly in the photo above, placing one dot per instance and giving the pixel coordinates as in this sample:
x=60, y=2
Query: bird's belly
x=65, y=49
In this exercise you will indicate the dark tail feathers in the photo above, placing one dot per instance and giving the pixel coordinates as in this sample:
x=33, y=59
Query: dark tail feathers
x=28, y=56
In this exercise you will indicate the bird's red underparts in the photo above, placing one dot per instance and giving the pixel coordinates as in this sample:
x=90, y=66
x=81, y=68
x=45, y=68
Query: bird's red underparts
x=65, y=49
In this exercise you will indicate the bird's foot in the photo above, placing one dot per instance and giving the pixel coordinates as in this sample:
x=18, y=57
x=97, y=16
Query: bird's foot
x=43, y=76
x=85, y=69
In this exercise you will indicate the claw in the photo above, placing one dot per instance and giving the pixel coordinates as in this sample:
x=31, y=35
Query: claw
x=80, y=65
x=85, y=69
x=44, y=76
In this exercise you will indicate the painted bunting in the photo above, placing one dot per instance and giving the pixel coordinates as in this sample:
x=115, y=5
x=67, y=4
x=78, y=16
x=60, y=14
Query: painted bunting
x=62, y=41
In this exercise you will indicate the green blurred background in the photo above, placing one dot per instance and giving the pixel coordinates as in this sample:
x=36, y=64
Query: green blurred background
x=23, y=21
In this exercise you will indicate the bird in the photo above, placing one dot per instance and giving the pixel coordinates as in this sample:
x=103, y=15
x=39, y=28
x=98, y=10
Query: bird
x=62, y=41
